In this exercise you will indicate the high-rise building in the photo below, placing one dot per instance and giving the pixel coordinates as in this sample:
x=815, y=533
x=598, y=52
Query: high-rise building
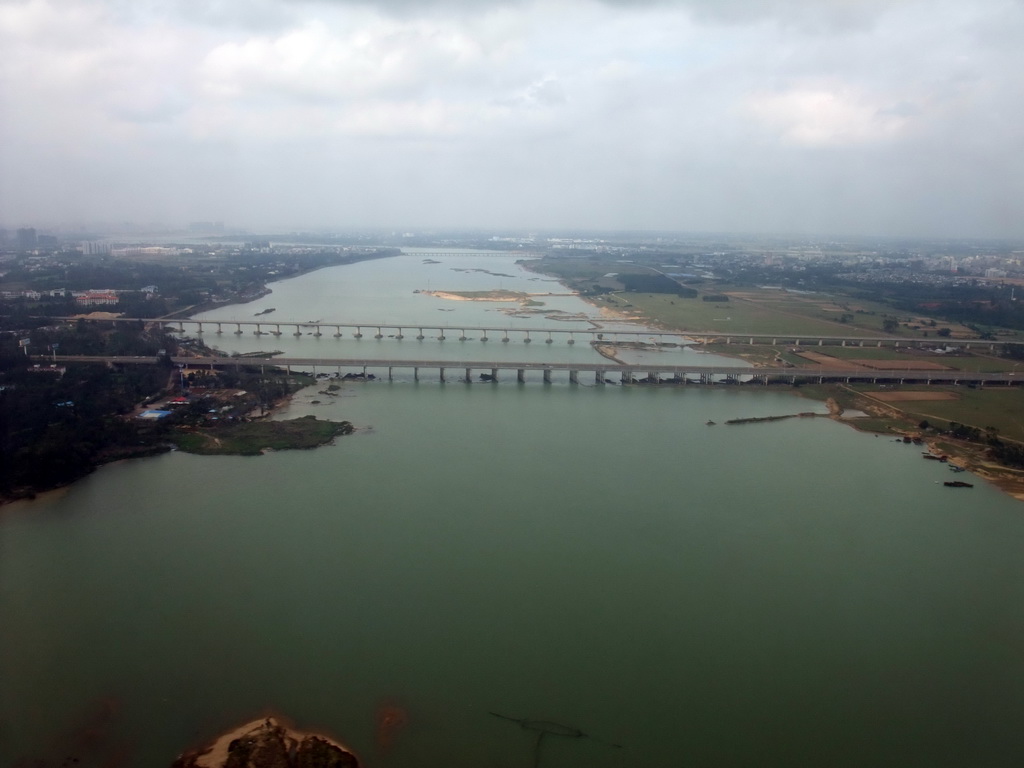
x=26, y=239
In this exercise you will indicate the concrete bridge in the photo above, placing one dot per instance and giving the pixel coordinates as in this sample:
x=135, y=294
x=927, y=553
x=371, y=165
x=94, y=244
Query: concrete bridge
x=440, y=332
x=599, y=372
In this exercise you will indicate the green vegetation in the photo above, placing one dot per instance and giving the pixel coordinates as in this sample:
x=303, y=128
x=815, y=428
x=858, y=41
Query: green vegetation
x=254, y=437
x=60, y=421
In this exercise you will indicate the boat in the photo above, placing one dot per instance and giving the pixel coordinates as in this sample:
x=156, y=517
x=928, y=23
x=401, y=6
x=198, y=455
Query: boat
x=710, y=423
x=955, y=468
x=957, y=484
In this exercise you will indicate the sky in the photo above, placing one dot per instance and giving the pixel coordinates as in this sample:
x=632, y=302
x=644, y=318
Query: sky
x=863, y=117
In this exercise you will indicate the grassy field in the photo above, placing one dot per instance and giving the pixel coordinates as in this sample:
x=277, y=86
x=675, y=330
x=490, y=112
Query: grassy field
x=999, y=407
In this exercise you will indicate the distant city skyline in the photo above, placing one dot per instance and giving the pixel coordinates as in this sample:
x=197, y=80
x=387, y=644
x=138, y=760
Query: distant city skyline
x=892, y=118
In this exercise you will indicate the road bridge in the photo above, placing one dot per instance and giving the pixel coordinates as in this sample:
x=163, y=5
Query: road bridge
x=601, y=372
x=446, y=332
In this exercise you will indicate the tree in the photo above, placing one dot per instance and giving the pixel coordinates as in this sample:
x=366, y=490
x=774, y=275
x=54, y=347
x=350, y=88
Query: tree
x=889, y=325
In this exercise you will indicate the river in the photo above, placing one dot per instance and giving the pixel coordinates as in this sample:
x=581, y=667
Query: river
x=782, y=594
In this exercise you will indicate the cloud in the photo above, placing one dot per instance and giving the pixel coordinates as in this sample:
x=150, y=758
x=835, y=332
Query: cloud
x=836, y=116
x=672, y=114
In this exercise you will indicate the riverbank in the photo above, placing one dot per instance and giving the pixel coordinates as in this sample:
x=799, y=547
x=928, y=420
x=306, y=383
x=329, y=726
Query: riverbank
x=882, y=419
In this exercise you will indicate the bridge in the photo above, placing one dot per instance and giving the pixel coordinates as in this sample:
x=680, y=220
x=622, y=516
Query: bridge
x=602, y=372
x=444, y=332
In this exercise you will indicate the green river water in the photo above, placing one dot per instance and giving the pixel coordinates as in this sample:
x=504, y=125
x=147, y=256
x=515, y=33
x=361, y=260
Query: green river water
x=782, y=594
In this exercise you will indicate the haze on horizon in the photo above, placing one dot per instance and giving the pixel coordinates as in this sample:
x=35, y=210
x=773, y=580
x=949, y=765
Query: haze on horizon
x=883, y=117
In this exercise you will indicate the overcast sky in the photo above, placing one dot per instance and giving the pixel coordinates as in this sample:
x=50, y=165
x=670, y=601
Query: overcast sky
x=817, y=116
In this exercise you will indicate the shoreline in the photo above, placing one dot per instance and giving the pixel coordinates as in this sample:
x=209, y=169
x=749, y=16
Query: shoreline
x=968, y=455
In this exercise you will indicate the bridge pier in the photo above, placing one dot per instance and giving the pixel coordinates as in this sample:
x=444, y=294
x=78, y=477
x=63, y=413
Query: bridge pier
x=484, y=337
x=238, y=329
x=547, y=375
x=505, y=338
x=218, y=328
x=574, y=377
x=527, y=339
x=389, y=373
x=549, y=340
x=337, y=331
x=379, y=334
x=415, y=374
x=442, y=376
x=441, y=335
x=821, y=342
x=200, y=330
x=571, y=340
x=420, y=337
x=359, y=332
x=626, y=378
x=599, y=377
x=298, y=331
x=318, y=334
x=258, y=331
x=463, y=336
x=521, y=375
x=277, y=329
x=652, y=377
x=469, y=376
x=494, y=375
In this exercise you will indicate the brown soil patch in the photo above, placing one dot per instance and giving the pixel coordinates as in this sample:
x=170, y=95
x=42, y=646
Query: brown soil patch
x=832, y=363
x=900, y=365
x=903, y=396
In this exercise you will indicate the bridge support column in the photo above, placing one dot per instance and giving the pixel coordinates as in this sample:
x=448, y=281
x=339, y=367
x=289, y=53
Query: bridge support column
x=494, y=375
x=298, y=332
x=574, y=377
x=862, y=342
x=277, y=330
x=652, y=377
x=775, y=342
x=238, y=329
x=547, y=375
x=527, y=339
x=318, y=334
x=415, y=374
x=728, y=339
x=599, y=377
x=751, y=341
x=258, y=331
x=442, y=375
x=389, y=373
x=359, y=332
x=626, y=378
x=821, y=342
x=469, y=376
x=200, y=331
x=521, y=375
x=379, y=334
x=337, y=331
x=420, y=337
x=218, y=328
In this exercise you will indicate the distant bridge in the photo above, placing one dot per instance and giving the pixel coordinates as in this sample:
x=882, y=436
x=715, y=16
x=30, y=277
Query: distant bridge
x=446, y=332
x=602, y=372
